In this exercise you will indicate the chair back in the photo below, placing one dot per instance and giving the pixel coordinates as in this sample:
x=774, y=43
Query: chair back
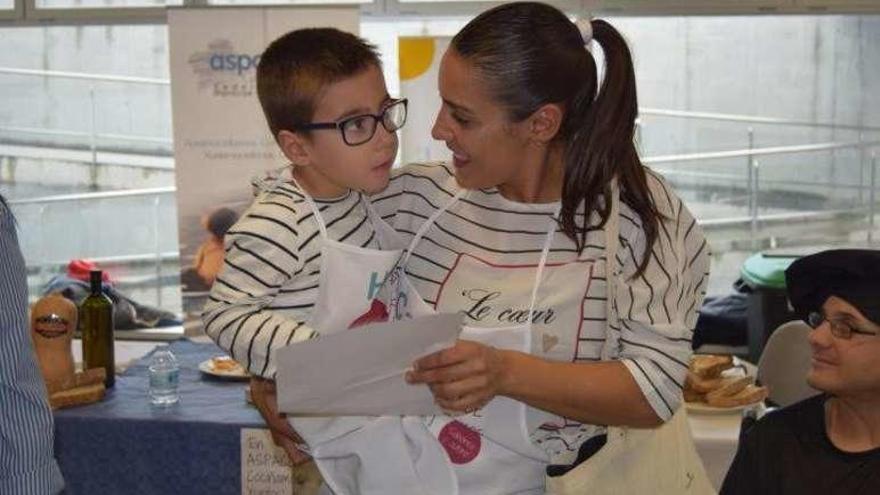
x=785, y=362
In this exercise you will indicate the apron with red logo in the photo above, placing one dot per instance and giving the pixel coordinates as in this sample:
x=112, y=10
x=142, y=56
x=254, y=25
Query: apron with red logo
x=353, y=453
x=491, y=449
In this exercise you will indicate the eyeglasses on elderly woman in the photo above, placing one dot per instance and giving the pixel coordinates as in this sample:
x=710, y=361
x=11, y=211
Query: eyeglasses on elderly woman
x=840, y=328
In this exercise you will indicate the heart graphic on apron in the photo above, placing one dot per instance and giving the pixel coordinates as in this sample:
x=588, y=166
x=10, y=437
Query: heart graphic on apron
x=549, y=342
x=376, y=314
x=461, y=442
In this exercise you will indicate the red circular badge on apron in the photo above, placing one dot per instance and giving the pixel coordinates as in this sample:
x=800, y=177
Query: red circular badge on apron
x=461, y=442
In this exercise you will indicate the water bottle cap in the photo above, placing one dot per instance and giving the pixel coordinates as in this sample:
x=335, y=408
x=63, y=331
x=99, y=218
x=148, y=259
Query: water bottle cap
x=163, y=355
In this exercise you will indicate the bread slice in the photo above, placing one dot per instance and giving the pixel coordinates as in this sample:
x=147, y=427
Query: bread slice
x=691, y=395
x=90, y=376
x=731, y=386
x=77, y=396
x=749, y=395
x=710, y=365
x=702, y=385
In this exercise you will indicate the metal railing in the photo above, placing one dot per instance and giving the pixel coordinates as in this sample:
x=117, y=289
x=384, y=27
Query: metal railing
x=753, y=119
x=88, y=76
x=752, y=165
x=753, y=184
x=61, y=198
x=93, y=135
x=750, y=155
x=155, y=193
x=96, y=135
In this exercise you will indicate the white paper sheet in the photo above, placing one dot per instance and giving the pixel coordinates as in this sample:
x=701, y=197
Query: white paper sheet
x=360, y=372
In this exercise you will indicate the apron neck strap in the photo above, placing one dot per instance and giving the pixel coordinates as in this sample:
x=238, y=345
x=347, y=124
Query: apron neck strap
x=311, y=202
x=612, y=232
x=371, y=212
x=427, y=225
x=545, y=253
x=316, y=212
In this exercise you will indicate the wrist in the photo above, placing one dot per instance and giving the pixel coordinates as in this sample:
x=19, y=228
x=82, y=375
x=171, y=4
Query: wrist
x=508, y=379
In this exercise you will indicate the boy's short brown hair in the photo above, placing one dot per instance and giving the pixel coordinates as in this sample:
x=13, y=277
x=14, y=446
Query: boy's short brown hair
x=295, y=68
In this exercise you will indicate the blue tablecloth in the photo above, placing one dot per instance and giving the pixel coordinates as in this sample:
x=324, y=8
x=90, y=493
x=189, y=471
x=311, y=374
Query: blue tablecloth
x=123, y=445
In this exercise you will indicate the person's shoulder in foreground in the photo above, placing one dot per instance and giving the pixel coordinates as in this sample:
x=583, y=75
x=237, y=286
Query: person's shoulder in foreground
x=829, y=443
x=27, y=465
x=788, y=452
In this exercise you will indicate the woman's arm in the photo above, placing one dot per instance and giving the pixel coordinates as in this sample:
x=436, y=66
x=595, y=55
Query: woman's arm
x=470, y=374
x=653, y=316
x=656, y=310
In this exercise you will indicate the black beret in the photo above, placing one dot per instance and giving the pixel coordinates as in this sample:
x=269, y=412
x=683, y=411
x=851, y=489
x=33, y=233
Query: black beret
x=850, y=274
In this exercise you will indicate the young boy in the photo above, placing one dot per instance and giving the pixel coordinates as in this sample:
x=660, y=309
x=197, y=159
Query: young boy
x=303, y=259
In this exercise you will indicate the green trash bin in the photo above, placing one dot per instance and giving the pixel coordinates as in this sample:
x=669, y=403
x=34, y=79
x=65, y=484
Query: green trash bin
x=768, y=306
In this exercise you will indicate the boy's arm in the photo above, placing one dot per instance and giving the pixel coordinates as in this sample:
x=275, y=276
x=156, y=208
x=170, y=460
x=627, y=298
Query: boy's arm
x=261, y=258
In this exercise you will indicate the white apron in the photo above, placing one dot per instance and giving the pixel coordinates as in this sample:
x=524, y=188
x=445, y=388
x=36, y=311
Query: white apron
x=354, y=453
x=491, y=449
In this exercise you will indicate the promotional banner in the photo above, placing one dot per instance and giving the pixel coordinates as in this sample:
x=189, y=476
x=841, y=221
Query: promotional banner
x=419, y=64
x=221, y=140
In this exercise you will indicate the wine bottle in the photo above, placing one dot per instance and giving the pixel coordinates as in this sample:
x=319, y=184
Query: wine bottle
x=96, y=326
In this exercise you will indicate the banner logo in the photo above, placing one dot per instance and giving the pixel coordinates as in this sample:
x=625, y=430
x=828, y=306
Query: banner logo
x=224, y=71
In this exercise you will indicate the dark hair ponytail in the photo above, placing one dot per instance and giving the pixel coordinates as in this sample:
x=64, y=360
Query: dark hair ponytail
x=530, y=54
x=601, y=147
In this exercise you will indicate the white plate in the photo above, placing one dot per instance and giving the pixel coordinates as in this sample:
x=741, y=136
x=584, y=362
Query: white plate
x=207, y=367
x=703, y=408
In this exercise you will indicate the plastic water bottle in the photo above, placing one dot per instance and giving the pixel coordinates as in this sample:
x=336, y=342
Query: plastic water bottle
x=164, y=376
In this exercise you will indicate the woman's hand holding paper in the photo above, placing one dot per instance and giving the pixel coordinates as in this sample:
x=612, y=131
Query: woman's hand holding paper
x=463, y=378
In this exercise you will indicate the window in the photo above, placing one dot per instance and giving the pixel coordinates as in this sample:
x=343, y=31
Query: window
x=104, y=4
x=88, y=113
x=772, y=144
x=287, y=2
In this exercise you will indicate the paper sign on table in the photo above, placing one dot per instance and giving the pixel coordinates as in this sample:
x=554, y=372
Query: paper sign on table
x=265, y=468
x=360, y=372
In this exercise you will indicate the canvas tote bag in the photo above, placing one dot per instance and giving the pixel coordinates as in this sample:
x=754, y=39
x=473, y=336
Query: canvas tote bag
x=661, y=460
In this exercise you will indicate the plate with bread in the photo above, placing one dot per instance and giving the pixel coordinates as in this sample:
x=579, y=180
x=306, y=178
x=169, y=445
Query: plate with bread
x=718, y=384
x=224, y=367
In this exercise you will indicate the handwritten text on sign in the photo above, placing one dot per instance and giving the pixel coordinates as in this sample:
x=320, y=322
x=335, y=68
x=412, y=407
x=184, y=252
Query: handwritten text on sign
x=266, y=470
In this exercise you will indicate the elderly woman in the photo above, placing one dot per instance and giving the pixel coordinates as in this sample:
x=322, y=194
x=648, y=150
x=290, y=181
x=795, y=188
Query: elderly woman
x=829, y=443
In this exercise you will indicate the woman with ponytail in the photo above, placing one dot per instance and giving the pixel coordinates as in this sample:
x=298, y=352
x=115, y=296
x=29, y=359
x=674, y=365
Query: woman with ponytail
x=578, y=270
x=539, y=141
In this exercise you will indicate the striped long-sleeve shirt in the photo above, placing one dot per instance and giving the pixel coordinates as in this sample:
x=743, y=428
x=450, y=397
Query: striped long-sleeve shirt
x=27, y=464
x=263, y=296
x=653, y=314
